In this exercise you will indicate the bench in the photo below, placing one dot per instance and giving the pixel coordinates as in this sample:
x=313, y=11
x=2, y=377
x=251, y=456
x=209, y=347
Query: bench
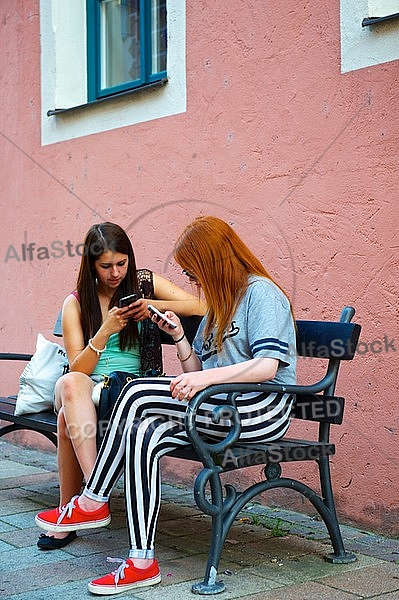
x=316, y=402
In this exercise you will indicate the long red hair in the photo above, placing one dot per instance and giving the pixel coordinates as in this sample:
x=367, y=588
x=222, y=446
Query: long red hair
x=213, y=252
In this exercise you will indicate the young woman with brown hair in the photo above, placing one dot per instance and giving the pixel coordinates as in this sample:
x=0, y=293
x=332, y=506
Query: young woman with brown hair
x=99, y=338
x=247, y=335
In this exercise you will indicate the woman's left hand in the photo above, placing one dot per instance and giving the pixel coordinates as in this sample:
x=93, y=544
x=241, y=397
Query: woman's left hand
x=186, y=385
x=176, y=331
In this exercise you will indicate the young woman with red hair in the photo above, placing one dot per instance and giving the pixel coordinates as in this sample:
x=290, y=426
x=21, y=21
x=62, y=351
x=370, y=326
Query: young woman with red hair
x=247, y=335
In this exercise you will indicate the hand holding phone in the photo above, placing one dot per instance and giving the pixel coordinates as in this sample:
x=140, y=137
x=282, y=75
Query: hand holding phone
x=126, y=300
x=161, y=315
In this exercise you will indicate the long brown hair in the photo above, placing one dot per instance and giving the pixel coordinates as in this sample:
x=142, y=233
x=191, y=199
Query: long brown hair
x=105, y=237
x=213, y=252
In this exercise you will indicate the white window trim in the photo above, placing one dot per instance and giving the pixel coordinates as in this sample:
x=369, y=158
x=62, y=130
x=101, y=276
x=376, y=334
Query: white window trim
x=382, y=8
x=365, y=46
x=64, y=76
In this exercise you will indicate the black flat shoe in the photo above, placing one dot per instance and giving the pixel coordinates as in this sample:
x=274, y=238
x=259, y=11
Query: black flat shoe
x=48, y=542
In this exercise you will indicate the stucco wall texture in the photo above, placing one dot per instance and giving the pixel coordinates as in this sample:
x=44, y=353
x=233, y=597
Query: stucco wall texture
x=299, y=158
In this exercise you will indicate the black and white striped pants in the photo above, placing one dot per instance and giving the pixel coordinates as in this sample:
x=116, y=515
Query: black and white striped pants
x=147, y=423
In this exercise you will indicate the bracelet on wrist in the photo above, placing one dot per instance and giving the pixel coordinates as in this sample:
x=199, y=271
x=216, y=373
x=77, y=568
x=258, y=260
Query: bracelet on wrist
x=184, y=359
x=96, y=350
x=180, y=339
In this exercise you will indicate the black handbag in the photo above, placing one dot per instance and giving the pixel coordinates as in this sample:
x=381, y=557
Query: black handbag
x=113, y=385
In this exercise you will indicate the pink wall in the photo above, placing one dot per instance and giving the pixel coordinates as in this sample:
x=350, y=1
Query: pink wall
x=299, y=158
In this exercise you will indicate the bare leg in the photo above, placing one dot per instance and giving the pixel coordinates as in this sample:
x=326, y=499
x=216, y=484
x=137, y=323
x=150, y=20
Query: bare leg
x=69, y=471
x=73, y=396
x=76, y=432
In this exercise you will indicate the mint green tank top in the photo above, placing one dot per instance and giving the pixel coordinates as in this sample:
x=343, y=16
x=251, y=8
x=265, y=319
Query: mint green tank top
x=113, y=359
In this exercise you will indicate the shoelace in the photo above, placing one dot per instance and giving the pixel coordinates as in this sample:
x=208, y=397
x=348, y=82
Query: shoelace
x=119, y=573
x=67, y=510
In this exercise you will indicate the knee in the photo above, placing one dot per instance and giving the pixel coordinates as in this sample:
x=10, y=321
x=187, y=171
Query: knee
x=71, y=388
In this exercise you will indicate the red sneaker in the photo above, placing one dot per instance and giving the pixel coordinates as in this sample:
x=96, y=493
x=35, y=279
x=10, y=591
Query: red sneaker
x=71, y=517
x=126, y=577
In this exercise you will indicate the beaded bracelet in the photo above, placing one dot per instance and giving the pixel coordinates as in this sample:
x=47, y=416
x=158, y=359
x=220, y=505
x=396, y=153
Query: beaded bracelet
x=96, y=350
x=180, y=339
x=184, y=359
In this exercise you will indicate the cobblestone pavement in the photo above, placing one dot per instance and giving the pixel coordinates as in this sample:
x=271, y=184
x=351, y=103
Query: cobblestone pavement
x=269, y=555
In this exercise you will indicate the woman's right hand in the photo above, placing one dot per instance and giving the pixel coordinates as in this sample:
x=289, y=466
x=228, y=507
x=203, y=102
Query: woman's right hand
x=115, y=320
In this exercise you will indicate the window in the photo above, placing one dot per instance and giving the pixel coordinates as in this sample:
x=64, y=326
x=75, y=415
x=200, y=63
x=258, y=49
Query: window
x=67, y=112
x=126, y=42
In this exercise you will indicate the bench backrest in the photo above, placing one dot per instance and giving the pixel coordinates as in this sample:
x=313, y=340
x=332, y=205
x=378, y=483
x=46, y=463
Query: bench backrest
x=324, y=339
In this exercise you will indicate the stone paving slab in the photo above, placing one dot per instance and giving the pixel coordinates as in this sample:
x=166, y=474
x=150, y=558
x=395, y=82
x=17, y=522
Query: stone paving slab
x=309, y=568
x=11, y=468
x=304, y=591
x=374, y=580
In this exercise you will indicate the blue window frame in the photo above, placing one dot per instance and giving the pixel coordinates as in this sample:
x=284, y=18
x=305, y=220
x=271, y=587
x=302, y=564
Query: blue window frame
x=126, y=45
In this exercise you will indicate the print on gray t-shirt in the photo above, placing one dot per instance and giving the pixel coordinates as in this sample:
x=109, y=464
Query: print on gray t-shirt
x=262, y=326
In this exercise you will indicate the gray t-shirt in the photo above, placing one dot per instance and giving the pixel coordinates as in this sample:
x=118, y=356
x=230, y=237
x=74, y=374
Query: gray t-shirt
x=262, y=327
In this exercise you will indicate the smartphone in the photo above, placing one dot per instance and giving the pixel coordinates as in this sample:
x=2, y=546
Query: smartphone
x=126, y=300
x=155, y=311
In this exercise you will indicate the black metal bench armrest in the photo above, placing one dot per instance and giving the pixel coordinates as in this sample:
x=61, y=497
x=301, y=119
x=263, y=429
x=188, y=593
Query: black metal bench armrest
x=206, y=450
x=307, y=405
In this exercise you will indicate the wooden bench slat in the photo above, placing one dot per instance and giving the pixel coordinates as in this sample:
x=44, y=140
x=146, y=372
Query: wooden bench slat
x=319, y=408
x=248, y=455
x=42, y=421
